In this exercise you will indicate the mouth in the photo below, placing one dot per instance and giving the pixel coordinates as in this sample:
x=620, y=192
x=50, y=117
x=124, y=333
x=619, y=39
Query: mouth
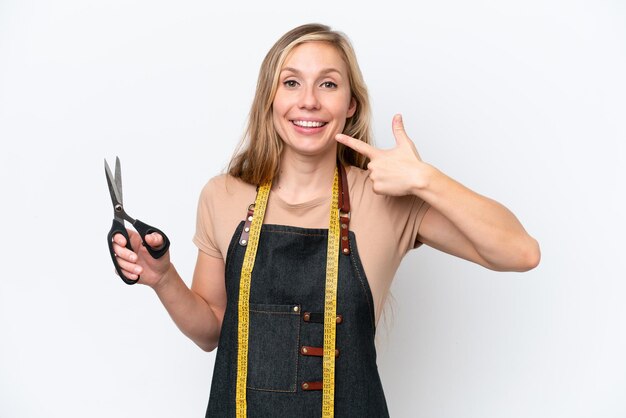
x=308, y=123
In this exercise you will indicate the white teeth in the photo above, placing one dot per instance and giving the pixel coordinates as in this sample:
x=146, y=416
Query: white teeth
x=308, y=123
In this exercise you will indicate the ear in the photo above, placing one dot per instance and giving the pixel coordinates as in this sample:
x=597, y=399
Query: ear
x=352, y=107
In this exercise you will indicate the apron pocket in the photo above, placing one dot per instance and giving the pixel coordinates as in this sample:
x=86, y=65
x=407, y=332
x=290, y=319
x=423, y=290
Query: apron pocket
x=273, y=347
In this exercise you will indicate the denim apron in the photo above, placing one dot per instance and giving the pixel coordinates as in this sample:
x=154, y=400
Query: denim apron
x=286, y=333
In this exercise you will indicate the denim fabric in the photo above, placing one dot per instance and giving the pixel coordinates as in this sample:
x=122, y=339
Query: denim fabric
x=290, y=271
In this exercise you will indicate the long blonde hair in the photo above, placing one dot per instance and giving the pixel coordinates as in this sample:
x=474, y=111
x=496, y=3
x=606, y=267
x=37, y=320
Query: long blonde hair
x=257, y=158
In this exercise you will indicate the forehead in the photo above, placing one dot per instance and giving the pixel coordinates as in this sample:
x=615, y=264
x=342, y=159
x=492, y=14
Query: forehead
x=315, y=56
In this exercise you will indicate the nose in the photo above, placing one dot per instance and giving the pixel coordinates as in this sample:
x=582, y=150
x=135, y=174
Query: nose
x=308, y=99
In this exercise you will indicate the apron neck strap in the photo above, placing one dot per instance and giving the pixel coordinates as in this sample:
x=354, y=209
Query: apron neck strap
x=344, y=213
x=344, y=209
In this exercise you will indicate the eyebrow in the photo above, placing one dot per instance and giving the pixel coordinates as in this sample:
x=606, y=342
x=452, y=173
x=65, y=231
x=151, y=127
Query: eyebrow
x=324, y=72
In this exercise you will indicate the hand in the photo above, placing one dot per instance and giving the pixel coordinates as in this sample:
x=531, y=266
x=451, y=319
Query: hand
x=394, y=172
x=139, y=263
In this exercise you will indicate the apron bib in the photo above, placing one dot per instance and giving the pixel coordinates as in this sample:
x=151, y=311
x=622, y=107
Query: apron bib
x=286, y=332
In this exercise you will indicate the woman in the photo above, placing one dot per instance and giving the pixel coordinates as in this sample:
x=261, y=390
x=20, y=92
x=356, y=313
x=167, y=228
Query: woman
x=321, y=221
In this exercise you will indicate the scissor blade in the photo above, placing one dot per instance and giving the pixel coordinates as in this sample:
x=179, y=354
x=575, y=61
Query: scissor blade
x=115, y=198
x=118, y=180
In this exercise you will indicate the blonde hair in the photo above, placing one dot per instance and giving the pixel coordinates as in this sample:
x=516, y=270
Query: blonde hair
x=257, y=158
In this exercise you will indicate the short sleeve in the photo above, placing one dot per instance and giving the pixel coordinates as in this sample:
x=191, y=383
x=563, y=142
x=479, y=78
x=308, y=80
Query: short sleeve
x=420, y=209
x=205, y=236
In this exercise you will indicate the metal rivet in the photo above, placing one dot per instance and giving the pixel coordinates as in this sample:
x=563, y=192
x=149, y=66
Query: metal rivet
x=296, y=308
x=304, y=350
x=307, y=317
x=250, y=218
x=305, y=386
x=339, y=319
x=346, y=251
x=243, y=242
x=344, y=226
x=246, y=229
x=344, y=238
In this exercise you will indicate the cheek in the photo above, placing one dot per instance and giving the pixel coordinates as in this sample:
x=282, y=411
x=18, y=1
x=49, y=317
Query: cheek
x=281, y=103
x=343, y=107
x=277, y=121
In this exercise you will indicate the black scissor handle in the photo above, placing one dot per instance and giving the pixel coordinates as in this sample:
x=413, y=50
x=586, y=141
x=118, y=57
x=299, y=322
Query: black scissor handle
x=118, y=228
x=145, y=229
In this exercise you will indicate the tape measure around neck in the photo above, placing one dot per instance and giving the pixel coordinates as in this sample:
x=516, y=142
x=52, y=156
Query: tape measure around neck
x=330, y=305
x=330, y=301
x=243, y=327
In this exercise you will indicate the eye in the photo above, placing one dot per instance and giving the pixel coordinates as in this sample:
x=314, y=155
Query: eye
x=290, y=83
x=329, y=85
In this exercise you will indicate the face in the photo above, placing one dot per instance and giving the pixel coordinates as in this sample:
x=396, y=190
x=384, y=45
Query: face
x=313, y=99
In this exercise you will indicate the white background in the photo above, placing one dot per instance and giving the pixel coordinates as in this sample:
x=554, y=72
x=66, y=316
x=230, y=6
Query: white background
x=523, y=101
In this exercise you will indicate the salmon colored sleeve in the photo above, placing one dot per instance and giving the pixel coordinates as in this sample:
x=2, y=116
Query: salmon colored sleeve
x=422, y=207
x=204, y=238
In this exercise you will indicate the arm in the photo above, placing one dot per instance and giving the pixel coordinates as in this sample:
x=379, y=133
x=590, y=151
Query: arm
x=198, y=312
x=459, y=221
x=476, y=228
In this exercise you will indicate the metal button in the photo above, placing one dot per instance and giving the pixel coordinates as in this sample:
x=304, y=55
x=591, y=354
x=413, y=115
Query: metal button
x=339, y=319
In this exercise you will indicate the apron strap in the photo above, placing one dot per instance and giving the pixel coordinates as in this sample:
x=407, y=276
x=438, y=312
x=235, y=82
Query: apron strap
x=344, y=209
x=245, y=233
x=344, y=214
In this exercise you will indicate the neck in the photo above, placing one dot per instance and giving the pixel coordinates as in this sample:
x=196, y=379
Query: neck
x=302, y=179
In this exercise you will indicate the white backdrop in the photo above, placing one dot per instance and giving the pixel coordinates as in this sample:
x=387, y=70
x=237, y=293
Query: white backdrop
x=521, y=100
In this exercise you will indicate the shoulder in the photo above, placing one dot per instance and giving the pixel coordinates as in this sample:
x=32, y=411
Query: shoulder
x=370, y=205
x=225, y=186
x=361, y=191
x=359, y=182
x=356, y=174
x=224, y=196
x=223, y=203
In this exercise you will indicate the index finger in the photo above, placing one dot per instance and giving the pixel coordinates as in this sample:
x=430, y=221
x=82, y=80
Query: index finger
x=358, y=146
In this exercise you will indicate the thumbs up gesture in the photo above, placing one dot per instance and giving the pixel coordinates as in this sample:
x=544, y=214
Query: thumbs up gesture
x=397, y=171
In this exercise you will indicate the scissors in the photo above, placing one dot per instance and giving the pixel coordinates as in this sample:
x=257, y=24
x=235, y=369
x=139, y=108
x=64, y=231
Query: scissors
x=119, y=215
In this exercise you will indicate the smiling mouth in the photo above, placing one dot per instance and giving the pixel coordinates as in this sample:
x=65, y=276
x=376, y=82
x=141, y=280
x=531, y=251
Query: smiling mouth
x=308, y=123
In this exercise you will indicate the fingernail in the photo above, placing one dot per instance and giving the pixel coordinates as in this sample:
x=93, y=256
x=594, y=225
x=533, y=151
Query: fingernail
x=137, y=270
x=133, y=257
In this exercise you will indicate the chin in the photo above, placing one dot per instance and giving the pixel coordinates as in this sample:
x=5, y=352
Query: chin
x=312, y=150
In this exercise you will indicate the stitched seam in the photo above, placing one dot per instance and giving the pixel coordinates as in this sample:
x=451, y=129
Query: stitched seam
x=295, y=233
x=231, y=250
x=273, y=390
x=294, y=384
x=356, y=269
x=295, y=376
x=274, y=312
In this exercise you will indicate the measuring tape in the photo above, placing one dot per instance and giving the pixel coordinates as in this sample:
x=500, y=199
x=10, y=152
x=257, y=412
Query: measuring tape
x=244, y=296
x=330, y=305
x=330, y=301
